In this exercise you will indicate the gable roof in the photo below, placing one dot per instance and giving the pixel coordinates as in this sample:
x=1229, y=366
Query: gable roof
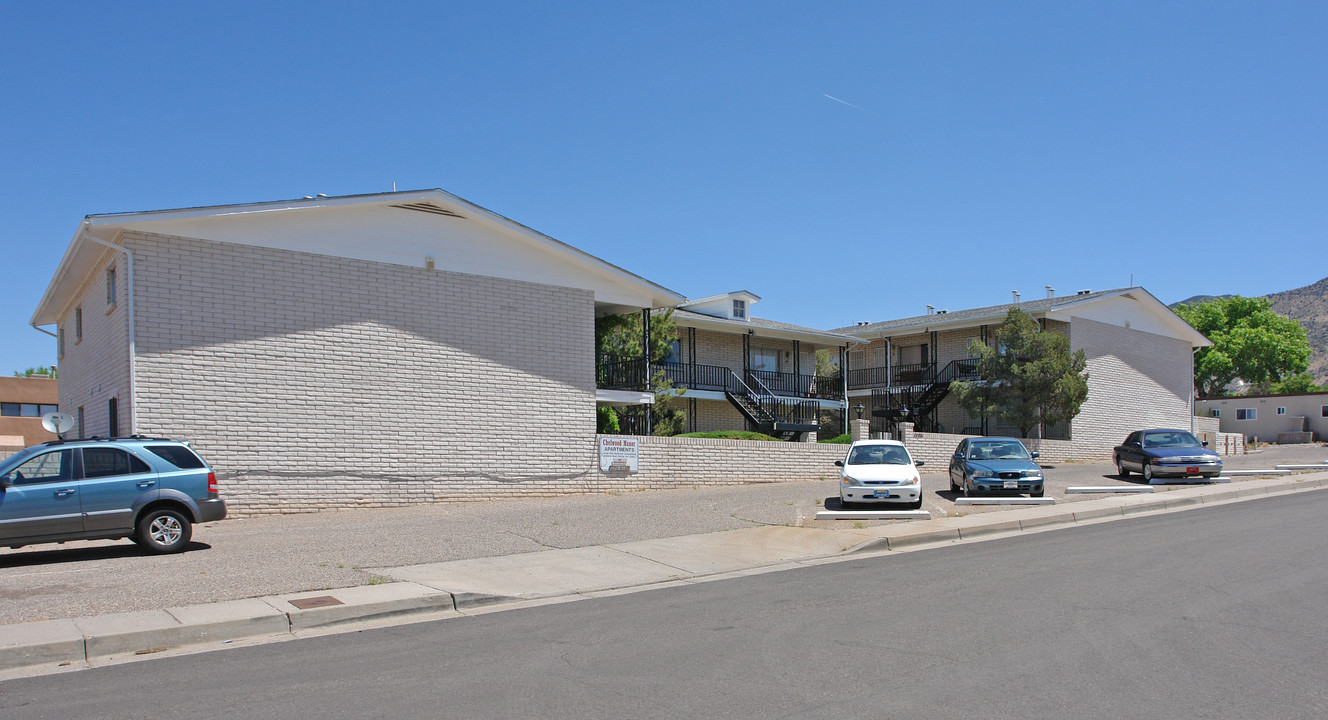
x=1056, y=308
x=405, y=228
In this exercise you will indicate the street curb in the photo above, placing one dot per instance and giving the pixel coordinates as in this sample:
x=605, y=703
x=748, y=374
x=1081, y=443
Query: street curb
x=80, y=641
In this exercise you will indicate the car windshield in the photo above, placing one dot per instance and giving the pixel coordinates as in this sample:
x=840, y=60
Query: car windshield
x=1170, y=439
x=878, y=455
x=1010, y=450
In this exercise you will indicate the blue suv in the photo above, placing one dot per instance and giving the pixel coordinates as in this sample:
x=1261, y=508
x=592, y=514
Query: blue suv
x=150, y=490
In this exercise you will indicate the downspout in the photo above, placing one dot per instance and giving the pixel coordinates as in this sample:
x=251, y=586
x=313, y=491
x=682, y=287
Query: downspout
x=129, y=310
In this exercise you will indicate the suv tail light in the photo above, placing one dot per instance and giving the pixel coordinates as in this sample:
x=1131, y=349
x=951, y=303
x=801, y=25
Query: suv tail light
x=212, y=482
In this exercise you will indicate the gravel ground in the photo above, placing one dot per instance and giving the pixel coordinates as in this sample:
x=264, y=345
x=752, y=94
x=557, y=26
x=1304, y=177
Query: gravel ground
x=259, y=556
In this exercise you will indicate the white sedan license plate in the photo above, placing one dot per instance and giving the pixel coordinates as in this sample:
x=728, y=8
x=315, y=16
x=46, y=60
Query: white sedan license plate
x=1011, y=484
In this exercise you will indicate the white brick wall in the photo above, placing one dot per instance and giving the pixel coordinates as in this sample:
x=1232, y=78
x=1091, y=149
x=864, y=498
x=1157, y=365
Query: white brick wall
x=96, y=368
x=1136, y=380
x=673, y=462
x=311, y=381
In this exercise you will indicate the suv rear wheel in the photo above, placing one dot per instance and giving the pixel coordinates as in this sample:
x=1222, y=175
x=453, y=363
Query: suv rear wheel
x=163, y=530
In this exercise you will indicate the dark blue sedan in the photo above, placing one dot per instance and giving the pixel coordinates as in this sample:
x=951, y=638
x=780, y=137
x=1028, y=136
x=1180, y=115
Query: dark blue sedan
x=1166, y=453
x=983, y=465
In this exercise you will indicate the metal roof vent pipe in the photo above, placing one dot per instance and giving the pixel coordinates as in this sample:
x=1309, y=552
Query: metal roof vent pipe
x=1086, y=291
x=931, y=310
x=1015, y=295
x=1051, y=291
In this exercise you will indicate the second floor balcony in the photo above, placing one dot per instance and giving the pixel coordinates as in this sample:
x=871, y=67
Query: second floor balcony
x=631, y=375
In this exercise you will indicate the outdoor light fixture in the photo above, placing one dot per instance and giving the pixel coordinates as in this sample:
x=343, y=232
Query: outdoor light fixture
x=858, y=409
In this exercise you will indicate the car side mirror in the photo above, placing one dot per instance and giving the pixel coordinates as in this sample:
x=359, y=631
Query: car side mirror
x=1205, y=443
x=6, y=481
x=1034, y=454
x=959, y=456
x=839, y=463
x=920, y=463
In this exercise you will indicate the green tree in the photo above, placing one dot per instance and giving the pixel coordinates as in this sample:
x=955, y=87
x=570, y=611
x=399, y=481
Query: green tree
x=1250, y=342
x=618, y=338
x=1301, y=383
x=41, y=370
x=1030, y=378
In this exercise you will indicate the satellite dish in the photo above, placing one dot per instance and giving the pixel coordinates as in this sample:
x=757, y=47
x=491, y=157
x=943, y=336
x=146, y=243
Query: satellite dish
x=58, y=423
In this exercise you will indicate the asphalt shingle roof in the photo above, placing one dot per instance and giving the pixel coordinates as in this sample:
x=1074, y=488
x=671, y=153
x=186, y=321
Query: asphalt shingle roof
x=982, y=313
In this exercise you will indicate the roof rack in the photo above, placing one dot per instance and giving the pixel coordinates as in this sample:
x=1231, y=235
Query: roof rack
x=98, y=438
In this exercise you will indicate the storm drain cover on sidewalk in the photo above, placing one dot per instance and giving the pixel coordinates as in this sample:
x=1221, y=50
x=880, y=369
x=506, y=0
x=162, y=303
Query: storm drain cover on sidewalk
x=315, y=602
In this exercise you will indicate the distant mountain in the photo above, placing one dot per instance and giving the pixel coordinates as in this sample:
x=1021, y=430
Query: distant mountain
x=1198, y=299
x=1309, y=305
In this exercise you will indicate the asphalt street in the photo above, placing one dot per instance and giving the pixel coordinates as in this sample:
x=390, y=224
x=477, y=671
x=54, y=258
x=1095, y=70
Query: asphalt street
x=1209, y=613
x=251, y=557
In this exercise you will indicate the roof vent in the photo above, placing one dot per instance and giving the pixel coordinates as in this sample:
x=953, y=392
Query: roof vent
x=1084, y=292
x=1051, y=291
x=429, y=208
x=931, y=310
x=1015, y=294
x=942, y=312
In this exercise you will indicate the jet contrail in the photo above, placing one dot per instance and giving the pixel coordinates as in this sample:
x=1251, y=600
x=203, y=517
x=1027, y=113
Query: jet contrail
x=832, y=97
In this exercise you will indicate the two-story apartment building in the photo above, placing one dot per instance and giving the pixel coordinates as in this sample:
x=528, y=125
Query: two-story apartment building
x=742, y=371
x=337, y=351
x=1139, y=352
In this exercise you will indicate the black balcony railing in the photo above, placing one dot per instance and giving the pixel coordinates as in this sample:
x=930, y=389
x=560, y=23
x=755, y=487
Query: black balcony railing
x=630, y=375
x=828, y=387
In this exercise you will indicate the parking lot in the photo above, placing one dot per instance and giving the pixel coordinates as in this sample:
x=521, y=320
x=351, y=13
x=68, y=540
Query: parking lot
x=252, y=557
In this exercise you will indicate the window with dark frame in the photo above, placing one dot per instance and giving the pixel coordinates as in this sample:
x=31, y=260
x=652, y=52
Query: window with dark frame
x=78, y=323
x=1247, y=413
x=1281, y=411
x=110, y=285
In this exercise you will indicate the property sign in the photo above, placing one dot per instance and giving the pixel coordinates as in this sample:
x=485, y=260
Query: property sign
x=618, y=453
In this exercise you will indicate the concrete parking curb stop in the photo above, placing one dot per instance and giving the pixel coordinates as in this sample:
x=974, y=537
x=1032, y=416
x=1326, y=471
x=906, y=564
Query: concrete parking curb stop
x=455, y=589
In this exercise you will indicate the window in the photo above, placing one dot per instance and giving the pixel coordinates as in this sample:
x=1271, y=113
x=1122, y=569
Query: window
x=78, y=323
x=1217, y=412
x=1323, y=411
x=180, y=457
x=79, y=427
x=105, y=462
x=765, y=359
x=60, y=343
x=1247, y=413
x=47, y=467
x=674, y=355
x=110, y=285
x=25, y=409
x=113, y=417
x=1281, y=411
x=740, y=309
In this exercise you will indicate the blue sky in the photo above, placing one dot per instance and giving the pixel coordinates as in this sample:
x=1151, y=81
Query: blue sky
x=845, y=161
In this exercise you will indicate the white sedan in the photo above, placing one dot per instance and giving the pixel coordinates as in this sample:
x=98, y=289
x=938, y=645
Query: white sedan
x=879, y=471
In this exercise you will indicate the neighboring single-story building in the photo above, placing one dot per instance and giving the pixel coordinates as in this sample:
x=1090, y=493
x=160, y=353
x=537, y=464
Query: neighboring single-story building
x=23, y=400
x=1140, y=366
x=360, y=350
x=1301, y=417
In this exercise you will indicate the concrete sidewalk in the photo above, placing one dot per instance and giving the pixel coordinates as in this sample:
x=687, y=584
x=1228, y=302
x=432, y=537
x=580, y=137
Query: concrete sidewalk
x=462, y=587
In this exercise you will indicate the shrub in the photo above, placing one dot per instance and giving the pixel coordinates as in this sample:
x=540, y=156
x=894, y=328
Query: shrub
x=844, y=439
